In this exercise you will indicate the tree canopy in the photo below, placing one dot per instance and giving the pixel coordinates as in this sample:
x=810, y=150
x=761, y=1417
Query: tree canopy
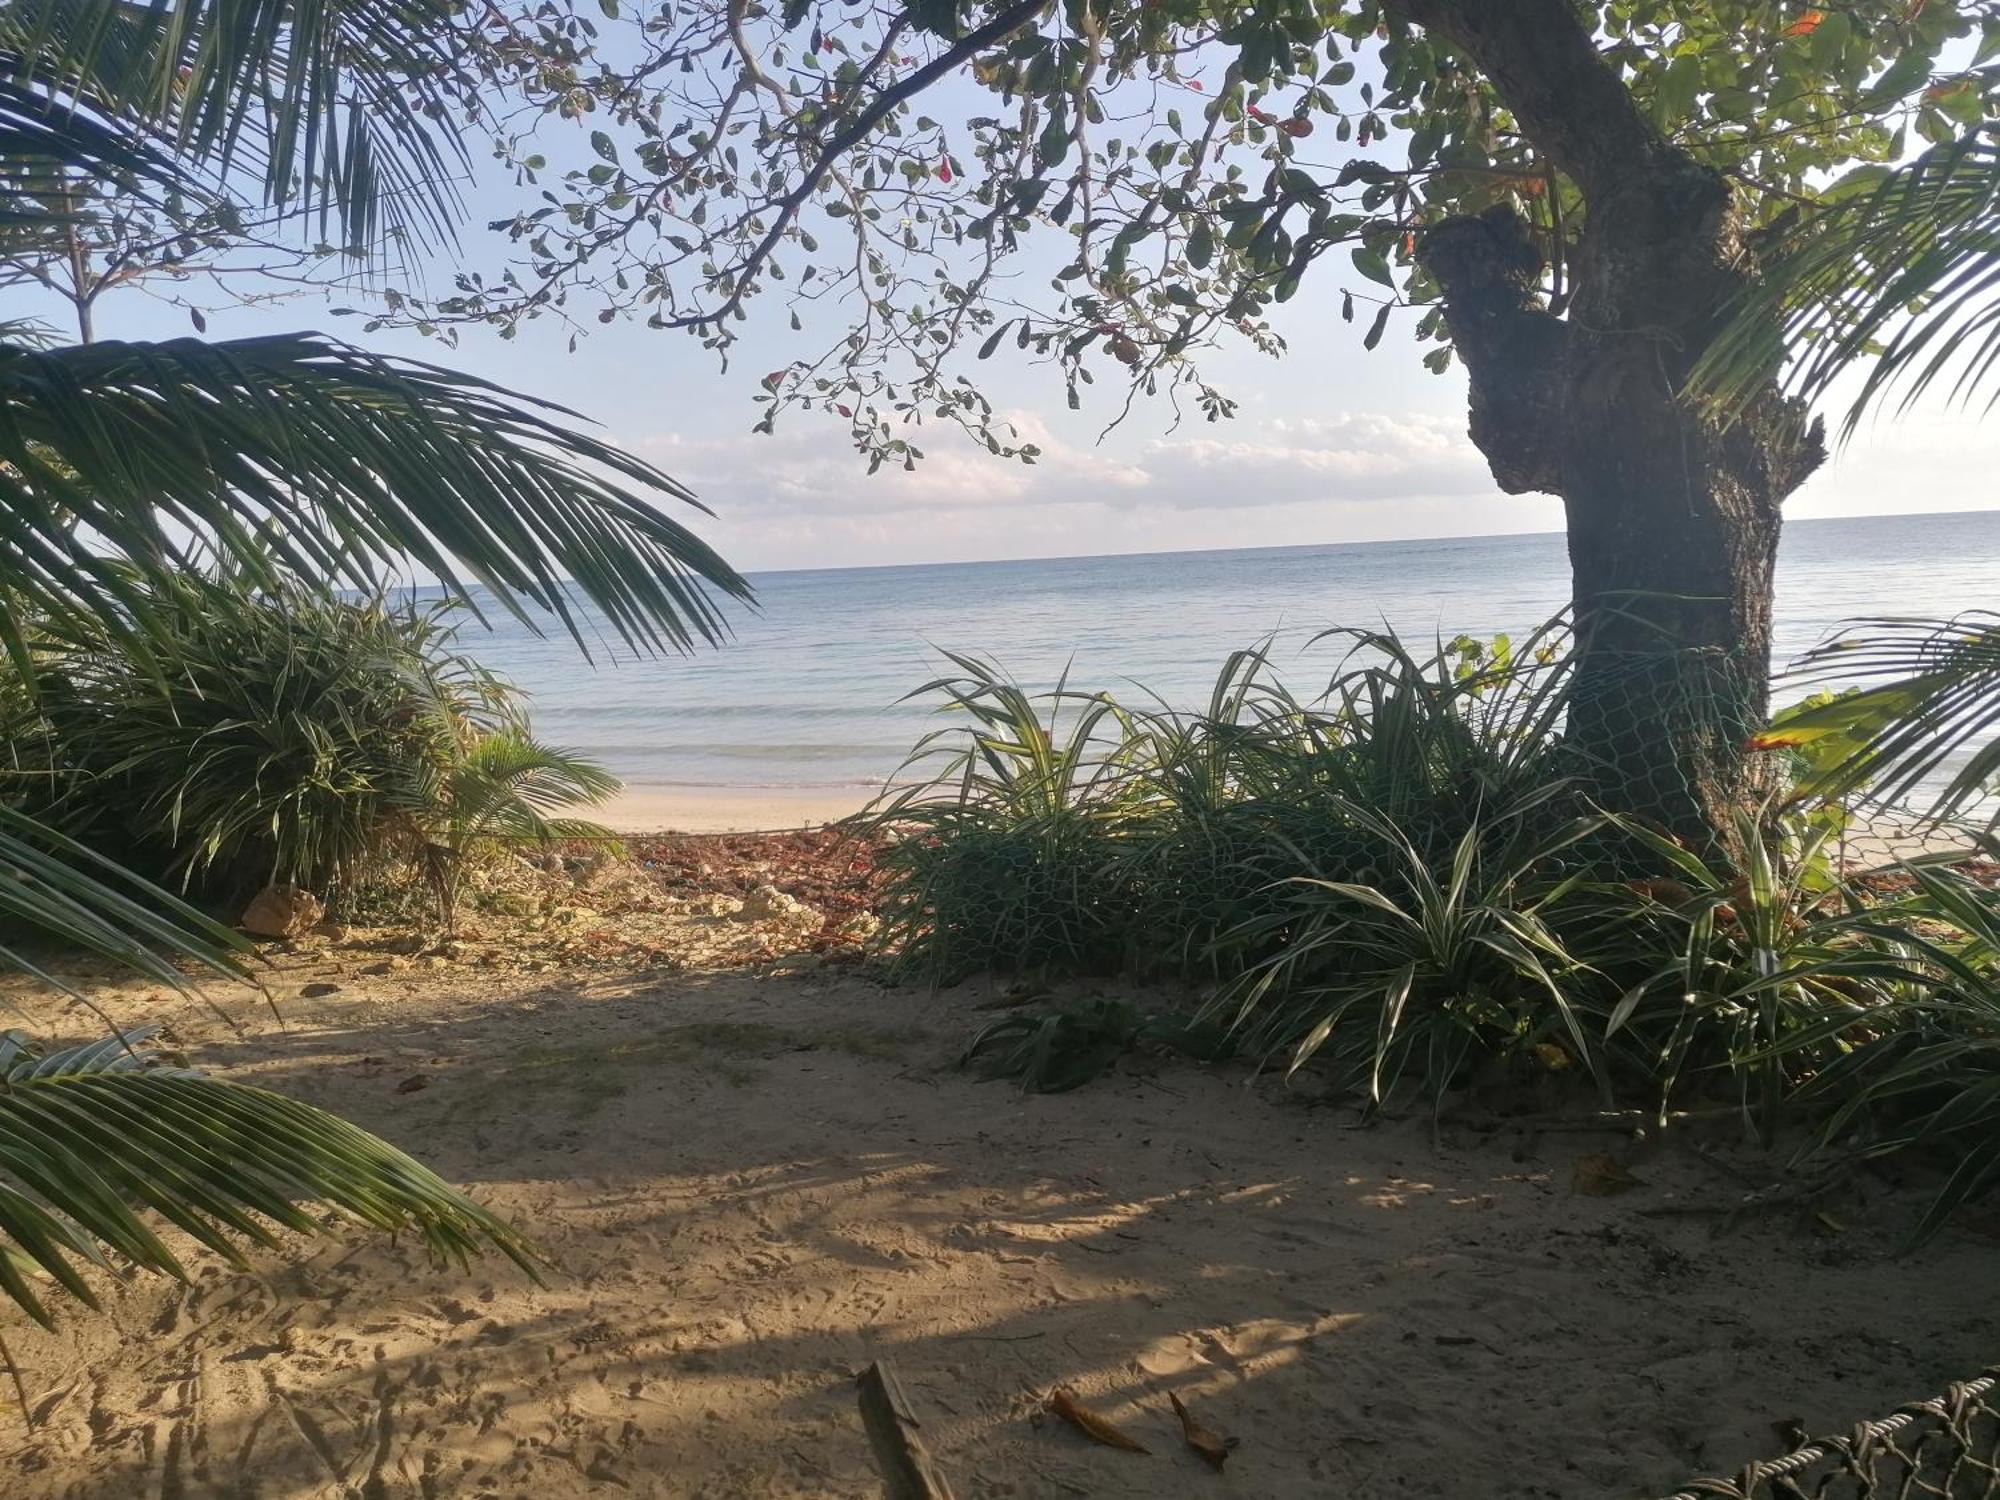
x=1111, y=186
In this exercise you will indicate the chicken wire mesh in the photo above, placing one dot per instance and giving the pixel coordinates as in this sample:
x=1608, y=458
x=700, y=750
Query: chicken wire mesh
x=1946, y=1448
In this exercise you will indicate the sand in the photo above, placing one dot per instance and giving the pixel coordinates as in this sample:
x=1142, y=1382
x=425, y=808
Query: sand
x=653, y=809
x=753, y=1181
x=1877, y=838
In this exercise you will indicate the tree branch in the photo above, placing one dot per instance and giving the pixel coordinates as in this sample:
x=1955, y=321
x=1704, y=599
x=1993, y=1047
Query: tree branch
x=998, y=28
x=1544, y=65
x=1489, y=270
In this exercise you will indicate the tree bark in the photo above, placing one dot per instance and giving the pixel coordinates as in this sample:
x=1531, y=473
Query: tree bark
x=1673, y=517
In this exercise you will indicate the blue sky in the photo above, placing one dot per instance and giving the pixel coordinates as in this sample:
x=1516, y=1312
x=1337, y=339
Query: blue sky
x=1331, y=443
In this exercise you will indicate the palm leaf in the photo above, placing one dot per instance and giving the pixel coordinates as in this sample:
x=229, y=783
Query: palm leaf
x=91, y=1136
x=1899, y=271
x=1926, y=712
x=294, y=452
x=51, y=883
x=343, y=105
x=46, y=144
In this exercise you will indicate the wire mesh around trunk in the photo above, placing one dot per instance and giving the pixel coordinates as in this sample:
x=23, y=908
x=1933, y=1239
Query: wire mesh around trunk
x=1947, y=1448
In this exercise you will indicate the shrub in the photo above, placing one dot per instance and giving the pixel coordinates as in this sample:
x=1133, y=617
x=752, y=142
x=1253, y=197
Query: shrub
x=1004, y=849
x=1398, y=883
x=1067, y=831
x=1423, y=969
x=241, y=738
x=500, y=789
x=1919, y=1069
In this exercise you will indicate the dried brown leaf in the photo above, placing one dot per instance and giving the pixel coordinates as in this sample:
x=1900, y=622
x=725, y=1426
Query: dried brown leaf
x=1099, y=1429
x=1213, y=1448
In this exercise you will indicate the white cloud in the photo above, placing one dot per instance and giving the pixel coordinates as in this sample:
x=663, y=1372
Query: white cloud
x=1346, y=457
x=805, y=473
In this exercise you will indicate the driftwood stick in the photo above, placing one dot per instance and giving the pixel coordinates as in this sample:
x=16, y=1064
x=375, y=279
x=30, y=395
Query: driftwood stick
x=908, y=1470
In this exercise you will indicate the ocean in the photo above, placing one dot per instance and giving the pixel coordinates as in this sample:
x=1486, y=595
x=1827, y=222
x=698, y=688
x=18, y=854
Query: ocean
x=806, y=695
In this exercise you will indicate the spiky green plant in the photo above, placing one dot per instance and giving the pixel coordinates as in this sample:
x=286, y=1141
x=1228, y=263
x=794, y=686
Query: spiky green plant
x=1069, y=830
x=1919, y=1072
x=1726, y=965
x=1424, y=968
x=1002, y=850
x=268, y=736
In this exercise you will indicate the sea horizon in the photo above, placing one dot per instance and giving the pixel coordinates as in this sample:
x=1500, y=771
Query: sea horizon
x=805, y=701
x=1393, y=541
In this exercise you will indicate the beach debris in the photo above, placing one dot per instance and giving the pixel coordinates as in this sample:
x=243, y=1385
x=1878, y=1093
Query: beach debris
x=281, y=911
x=908, y=1470
x=414, y=1082
x=859, y=928
x=1210, y=1446
x=1601, y=1176
x=769, y=904
x=1093, y=1425
x=714, y=904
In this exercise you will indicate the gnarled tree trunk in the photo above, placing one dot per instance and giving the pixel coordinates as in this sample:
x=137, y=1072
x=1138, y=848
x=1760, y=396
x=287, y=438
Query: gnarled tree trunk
x=1673, y=517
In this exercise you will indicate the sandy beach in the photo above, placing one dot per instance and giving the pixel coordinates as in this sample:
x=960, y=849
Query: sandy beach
x=655, y=809
x=755, y=1169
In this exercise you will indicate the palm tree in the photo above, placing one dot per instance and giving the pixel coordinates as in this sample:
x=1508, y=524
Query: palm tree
x=286, y=455
x=1897, y=273
x=505, y=788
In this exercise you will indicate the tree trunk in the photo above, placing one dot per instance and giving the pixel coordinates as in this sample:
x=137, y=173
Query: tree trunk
x=1673, y=517
x=1671, y=545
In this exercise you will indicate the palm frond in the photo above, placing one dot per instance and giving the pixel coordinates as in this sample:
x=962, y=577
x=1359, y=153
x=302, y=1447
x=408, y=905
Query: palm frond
x=1899, y=269
x=95, y=1134
x=46, y=143
x=293, y=451
x=345, y=106
x=1922, y=720
x=54, y=885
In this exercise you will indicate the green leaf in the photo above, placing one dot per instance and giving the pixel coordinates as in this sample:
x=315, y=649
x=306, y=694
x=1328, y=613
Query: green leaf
x=1375, y=329
x=1678, y=88
x=1201, y=246
x=296, y=452
x=1374, y=264
x=102, y=1132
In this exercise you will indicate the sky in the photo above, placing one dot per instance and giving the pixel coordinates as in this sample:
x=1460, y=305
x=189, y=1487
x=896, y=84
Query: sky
x=1330, y=444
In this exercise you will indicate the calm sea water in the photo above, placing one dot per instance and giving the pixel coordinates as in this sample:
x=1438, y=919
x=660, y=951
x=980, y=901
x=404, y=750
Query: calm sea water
x=806, y=694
